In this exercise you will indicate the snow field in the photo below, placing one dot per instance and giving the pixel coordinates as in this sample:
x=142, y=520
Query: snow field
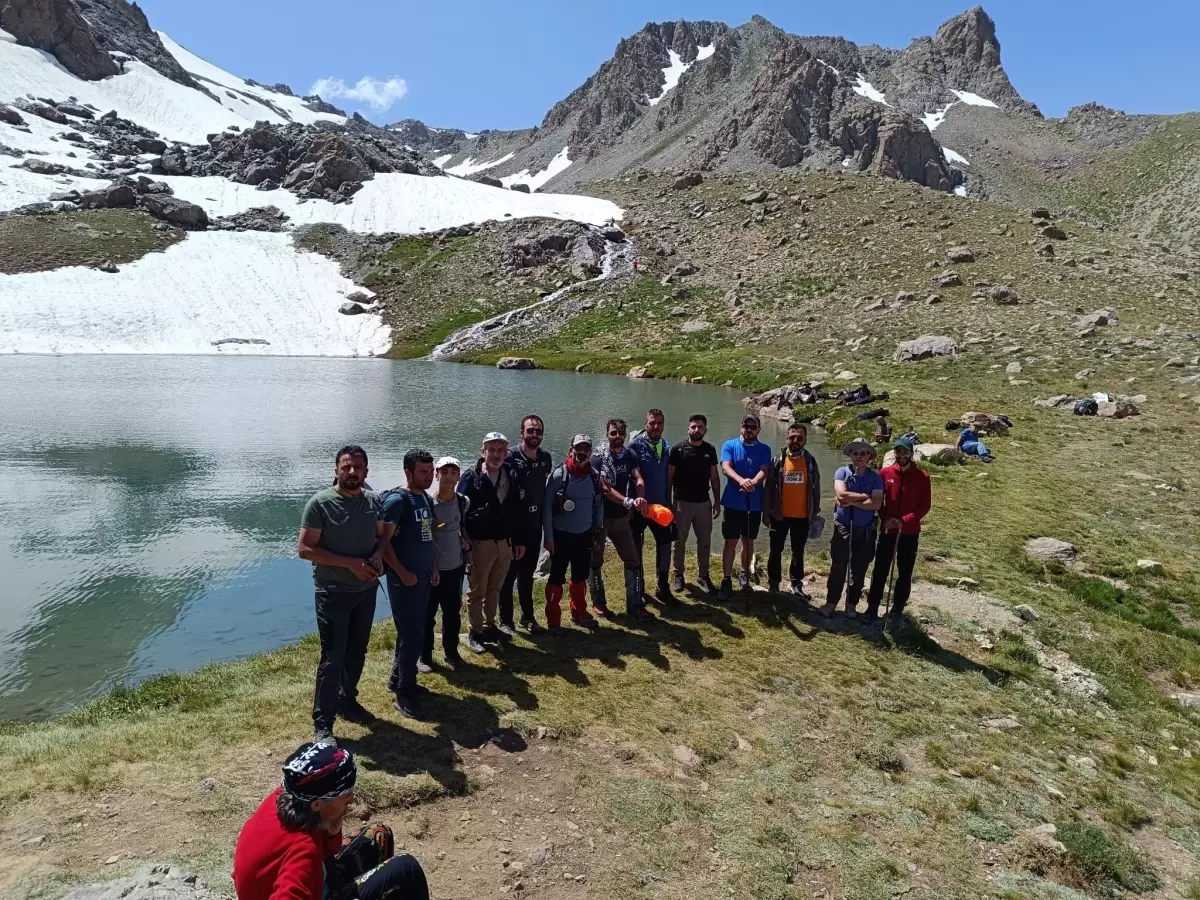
x=559, y=163
x=210, y=287
x=952, y=157
x=469, y=166
x=973, y=99
x=864, y=88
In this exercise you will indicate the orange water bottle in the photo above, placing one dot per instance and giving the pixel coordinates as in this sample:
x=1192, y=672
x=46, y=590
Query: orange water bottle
x=660, y=515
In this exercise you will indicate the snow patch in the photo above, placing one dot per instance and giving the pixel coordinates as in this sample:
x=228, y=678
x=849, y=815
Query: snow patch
x=952, y=157
x=933, y=119
x=469, y=136
x=469, y=166
x=395, y=202
x=828, y=66
x=673, y=72
x=973, y=99
x=560, y=163
x=846, y=162
x=864, y=88
x=442, y=160
x=960, y=191
x=211, y=287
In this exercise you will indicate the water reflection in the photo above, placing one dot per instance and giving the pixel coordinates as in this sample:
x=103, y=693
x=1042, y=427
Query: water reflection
x=149, y=505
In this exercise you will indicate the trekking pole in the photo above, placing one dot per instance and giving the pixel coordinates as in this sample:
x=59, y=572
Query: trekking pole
x=892, y=573
x=749, y=589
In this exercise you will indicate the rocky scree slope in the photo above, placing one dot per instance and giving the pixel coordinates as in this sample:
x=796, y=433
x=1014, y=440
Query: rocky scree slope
x=701, y=95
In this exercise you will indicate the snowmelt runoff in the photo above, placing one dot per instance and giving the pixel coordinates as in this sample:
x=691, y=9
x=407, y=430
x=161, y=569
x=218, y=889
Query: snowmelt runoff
x=216, y=291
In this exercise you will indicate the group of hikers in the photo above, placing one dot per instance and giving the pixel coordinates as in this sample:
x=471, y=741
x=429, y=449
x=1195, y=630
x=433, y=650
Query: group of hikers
x=486, y=524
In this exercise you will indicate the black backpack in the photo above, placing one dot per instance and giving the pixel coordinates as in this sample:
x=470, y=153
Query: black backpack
x=1086, y=407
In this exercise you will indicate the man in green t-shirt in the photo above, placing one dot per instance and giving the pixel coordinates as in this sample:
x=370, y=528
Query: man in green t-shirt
x=341, y=533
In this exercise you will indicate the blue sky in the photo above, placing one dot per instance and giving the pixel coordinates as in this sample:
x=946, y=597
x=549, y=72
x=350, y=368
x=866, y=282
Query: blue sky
x=475, y=65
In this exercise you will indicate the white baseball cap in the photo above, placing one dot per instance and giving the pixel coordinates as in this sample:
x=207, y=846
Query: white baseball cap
x=446, y=461
x=494, y=436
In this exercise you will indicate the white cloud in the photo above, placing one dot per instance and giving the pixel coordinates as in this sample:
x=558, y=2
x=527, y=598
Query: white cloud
x=378, y=95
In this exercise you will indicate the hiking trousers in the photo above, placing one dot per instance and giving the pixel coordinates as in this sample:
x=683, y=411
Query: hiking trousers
x=490, y=561
x=520, y=576
x=664, y=539
x=571, y=551
x=447, y=594
x=696, y=516
x=619, y=530
x=851, y=551
x=905, y=548
x=344, y=625
x=366, y=868
x=797, y=529
x=410, y=611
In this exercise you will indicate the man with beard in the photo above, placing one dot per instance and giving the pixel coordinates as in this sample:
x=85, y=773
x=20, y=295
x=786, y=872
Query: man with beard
x=622, y=485
x=532, y=466
x=493, y=494
x=697, y=490
x=745, y=461
x=907, y=499
x=791, y=502
x=652, y=451
x=342, y=535
x=409, y=554
x=573, y=517
x=858, y=493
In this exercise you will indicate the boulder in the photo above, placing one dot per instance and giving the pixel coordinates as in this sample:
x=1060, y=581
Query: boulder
x=1100, y=317
x=520, y=363
x=1057, y=402
x=755, y=197
x=520, y=188
x=1053, y=232
x=960, y=255
x=175, y=162
x=1050, y=550
x=176, y=211
x=1003, y=295
x=949, y=279
x=925, y=347
x=938, y=454
x=118, y=195
x=684, y=269
x=988, y=424
x=489, y=181
x=350, y=308
x=10, y=116
x=1150, y=566
x=636, y=372
x=1027, y=612
x=689, y=180
x=695, y=326
x=41, y=167
x=1117, y=409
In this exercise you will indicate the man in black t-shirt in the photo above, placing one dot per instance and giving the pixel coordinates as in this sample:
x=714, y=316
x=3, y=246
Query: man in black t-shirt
x=693, y=471
x=532, y=465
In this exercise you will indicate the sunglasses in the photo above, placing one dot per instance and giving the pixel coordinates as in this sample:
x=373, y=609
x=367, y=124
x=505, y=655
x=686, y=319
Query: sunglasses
x=750, y=427
x=535, y=430
x=860, y=453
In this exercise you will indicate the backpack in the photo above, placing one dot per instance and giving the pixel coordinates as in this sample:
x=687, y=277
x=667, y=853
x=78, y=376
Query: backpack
x=1086, y=407
x=407, y=495
x=561, y=497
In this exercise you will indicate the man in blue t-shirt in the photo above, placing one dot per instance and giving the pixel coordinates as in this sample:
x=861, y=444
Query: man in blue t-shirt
x=858, y=492
x=409, y=556
x=745, y=462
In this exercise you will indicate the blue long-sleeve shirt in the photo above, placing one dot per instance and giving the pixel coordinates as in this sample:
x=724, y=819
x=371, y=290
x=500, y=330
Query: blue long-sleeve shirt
x=653, y=463
x=588, y=511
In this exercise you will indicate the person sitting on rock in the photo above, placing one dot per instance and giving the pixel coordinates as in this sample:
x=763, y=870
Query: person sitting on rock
x=292, y=848
x=970, y=444
x=883, y=431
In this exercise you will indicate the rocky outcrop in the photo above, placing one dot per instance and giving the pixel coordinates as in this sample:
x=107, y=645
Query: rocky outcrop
x=57, y=27
x=121, y=27
x=519, y=363
x=968, y=51
x=156, y=883
x=324, y=161
x=925, y=347
x=895, y=145
x=176, y=211
x=570, y=243
x=426, y=139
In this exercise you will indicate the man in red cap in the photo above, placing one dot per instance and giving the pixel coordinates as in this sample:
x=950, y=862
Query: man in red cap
x=572, y=518
x=292, y=848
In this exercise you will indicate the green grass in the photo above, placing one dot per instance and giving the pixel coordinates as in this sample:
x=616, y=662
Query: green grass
x=82, y=238
x=1101, y=861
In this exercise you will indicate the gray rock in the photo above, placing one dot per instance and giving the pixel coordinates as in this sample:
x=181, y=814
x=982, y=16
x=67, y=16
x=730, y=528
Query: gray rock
x=924, y=347
x=695, y=326
x=41, y=167
x=1187, y=699
x=960, y=255
x=1046, y=550
x=1057, y=402
x=516, y=362
x=1100, y=317
x=1150, y=566
x=1003, y=295
x=1117, y=409
x=949, y=279
x=1053, y=232
x=10, y=116
x=58, y=27
x=688, y=180
x=1013, y=368
x=684, y=269
x=636, y=372
x=352, y=309
x=755, y=197
x=176, y=211
x=1027, y=612
x=108, y=267
x=489, y=181
x=154, y=883
x=522, y=188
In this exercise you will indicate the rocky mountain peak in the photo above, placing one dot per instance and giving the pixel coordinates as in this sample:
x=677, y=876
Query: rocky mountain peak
x=970, y=52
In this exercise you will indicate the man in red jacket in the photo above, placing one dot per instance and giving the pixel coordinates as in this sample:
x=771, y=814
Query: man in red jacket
x=292, y=847
x=906, y=501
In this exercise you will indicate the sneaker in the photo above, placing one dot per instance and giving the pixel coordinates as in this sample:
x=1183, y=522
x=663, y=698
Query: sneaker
x=641, y=614
x=531, y=627
x=324, y=737
x=677, y=585
x=474, y=642
x=408, y=706
x=726, y=592
x=601, y=612
x=798, y=591
x=773, y=587
x=353, y=711
x=705, y=584
x=506, y=632
x=493, y=635
x=743, y=580
x=424, y=667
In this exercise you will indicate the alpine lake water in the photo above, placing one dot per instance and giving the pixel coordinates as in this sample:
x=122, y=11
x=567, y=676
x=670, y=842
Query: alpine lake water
x=149, y=506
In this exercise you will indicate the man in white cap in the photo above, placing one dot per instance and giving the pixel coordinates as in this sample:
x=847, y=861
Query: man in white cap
x=450, y=558
x=493, y=492
x=858, y=494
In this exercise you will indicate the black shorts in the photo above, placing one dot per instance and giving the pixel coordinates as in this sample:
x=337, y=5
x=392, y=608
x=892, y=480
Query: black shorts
x=738, y=523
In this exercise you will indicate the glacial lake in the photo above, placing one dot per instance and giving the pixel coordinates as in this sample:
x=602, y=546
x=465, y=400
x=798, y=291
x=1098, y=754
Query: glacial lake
x=149, y=506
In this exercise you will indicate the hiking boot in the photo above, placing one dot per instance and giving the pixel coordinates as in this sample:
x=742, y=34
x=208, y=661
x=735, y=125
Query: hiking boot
x=454, y=660
x=870, y=618
x=895, y=622
x=507, y=632
x=424, y=667
x=852, y=612
x=773, y=587
x=665, y=597
x=585, y=621
x=324, y=737
x=530, y=626
x=828, y=609
x=555, y=630
x=641, y=614
x=743, y=581
x=726, y=592
x=474, y=642
x=353, y=711
x=600, y=612
x=408, y=706
x=677, y=585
